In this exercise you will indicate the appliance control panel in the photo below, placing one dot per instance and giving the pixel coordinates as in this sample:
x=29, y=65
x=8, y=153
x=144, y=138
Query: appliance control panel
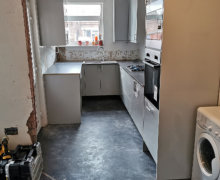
x=153, y=55
x=208, y=125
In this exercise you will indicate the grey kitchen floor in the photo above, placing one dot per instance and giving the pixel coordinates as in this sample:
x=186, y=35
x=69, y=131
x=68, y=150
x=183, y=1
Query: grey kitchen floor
x=106, y=146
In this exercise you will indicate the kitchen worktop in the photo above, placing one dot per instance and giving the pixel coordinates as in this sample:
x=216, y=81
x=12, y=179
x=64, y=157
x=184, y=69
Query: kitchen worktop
x=138, y=76
x=65, y=68
x=75, y=68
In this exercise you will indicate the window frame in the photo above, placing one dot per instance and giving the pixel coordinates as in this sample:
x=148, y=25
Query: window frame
x=85, y=18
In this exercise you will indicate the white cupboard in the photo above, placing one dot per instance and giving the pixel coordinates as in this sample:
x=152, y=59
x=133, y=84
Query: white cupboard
x=51, y=22
x=125, y=20
x=100, y=80
x=63, y=98
x=132, y=94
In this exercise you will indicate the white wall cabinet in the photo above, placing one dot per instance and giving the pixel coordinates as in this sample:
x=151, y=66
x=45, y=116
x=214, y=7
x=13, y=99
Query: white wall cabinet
x=133, y=97
x=133, y=9
x=125, y=20
x=51, y=22
x=120, y=20
x=100, y=80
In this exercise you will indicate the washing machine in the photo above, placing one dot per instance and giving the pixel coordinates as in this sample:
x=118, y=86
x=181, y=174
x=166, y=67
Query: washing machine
x=206, y=161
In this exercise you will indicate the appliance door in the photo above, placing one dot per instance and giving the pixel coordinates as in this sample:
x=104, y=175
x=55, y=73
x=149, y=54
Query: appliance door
x=208, y=157
x=152, y=82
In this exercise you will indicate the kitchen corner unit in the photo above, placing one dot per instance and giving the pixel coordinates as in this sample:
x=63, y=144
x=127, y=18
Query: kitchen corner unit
x=63, y=93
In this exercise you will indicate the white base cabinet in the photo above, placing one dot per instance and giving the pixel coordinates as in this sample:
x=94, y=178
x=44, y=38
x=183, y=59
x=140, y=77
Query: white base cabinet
x=100, y=80
x=151, y=125
x=63, y=98
x=132, y=94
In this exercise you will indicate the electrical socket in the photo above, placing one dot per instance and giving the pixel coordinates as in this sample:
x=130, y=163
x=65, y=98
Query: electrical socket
x=11, y=131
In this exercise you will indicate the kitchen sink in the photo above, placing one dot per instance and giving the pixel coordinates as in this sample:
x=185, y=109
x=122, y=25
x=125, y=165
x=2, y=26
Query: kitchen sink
x=109, y=62
x=100, y=62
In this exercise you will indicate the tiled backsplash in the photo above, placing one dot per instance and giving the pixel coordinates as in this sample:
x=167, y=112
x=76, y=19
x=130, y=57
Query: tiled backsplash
x=91, y=53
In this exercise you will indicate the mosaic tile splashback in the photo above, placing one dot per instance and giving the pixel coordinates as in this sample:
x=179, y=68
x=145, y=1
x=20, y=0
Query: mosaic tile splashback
x=90, y=54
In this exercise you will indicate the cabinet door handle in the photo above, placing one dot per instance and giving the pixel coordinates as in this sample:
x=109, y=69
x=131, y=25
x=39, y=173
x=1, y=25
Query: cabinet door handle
x=100, y=84
x=135, y=86
x=148, y=108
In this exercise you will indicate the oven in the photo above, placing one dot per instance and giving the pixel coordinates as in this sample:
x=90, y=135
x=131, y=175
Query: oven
x=152, y=77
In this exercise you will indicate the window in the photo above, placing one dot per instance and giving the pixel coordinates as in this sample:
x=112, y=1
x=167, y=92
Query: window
x=83, y=21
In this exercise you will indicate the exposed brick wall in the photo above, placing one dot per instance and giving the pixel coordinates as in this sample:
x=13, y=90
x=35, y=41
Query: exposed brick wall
x=32, y=120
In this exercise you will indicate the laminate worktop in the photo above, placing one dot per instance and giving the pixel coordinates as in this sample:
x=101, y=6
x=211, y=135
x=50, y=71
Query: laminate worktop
x=76, y=68
x=137, y=75
x=65, y=68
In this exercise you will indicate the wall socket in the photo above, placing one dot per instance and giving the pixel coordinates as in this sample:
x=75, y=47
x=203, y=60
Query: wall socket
x=11, y=131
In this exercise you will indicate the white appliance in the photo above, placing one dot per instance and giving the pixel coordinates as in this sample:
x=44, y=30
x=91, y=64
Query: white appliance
x=206, y=163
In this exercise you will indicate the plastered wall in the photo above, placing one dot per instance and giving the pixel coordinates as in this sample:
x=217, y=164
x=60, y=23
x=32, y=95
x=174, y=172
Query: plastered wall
x=44, y=58
x=15, y=95
x=219, y=96
x=189, y=79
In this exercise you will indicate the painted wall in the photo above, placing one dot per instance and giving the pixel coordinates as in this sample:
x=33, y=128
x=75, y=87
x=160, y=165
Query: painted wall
x=47, y=57
x=113, y=51
x=219, y=97
x=15, y=95
x=189, y=79
x=44, y=58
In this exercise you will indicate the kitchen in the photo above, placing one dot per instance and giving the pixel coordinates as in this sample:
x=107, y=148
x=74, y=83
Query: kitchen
x=80, y=82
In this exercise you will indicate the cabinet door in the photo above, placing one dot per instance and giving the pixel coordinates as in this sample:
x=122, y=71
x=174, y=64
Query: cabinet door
x=92, y=80
x=63, y=98
x=132, y=95
x=121, y=20
x=110, y=84
x=133, y=21
x=126, y=89
x=51, y=22
x=151, y=125
x=137, y=112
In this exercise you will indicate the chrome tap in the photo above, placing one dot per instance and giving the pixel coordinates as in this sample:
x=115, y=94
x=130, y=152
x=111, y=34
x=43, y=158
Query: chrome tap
x=101, y=50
